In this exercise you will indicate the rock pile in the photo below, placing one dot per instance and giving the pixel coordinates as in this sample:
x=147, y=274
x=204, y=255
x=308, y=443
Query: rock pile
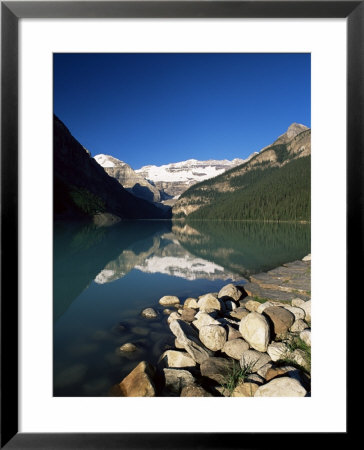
x=244, y=341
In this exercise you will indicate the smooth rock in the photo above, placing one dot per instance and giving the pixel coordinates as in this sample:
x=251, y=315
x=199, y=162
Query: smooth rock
x=235, y=348
x=246, y=389
x=207, y=302
x=297, y=302
x=263, y=306
x=190, y=303
x=195, y=391
x=216, y=369
x=281, y=387
x=299, y=357
x=307, y=257
x=176, y=379
x=139, y=382
x=188, y=314
x=255, y=378
x=298, y=326
x=168, y=300
x=173, y=358
x=229, y=292
x=167, y=311
x=307, y=308
x=263, y=370
x=306, y=337
x=252, y=305
x=149, y=313
x=213, y=337
x=177, y=344
x=298, y=313
x=239, y=313
x=173, y=316
x=233, y=333
x=255, y=330
x=253, y=360
x=128, y=347
x=281, y=318
x=204, y=319
x=185, y=335
x=277, y=350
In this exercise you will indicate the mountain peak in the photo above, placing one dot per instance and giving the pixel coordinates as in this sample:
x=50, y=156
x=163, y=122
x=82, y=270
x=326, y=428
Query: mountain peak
x=294, y=129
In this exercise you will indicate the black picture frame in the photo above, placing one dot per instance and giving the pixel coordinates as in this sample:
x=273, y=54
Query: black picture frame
x=11, y=12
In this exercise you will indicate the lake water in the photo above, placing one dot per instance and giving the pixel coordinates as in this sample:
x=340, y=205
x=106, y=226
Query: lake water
x=104, y=278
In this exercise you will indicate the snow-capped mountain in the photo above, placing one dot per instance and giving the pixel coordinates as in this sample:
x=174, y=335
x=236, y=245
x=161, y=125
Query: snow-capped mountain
x=175, y=178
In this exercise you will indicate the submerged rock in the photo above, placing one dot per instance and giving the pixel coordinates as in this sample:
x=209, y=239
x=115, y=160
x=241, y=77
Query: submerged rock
x=128, y=347
x=149, y=313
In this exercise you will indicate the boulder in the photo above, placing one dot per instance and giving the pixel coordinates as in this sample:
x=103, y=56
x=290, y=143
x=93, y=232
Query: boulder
x=300, y=358
x=173, y=358
x=167, y=311
x=281, y=387
x=168, y=300
x=217, y=369
x=229, y=292
x=246, y=389
x=307, y=308
x=255, y=330
x=186, y=337
x=213, y=337
x=307, y=257
x=139, y=382
x=233, y=333
x=252, y=305
x=274, y=372
x=128, y=347
x=253, y=360
x=194, y=391
x=173, y=316
x=263, y=370
x=177, y=344
x=176, y=379
x=254, y=378
x=209, y=301
x=188, y=314
x=297, y=302
x=149, y=313
x=239, y=313
x=306, y=337
x=190, y=303
x=277, y=350
x=298, y=326
x=235, y=348
x=204, y=319
x=263, y=306
x=298, y=313
x=281, y=318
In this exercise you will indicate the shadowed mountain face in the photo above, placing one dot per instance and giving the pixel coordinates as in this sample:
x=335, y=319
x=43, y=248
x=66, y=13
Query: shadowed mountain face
x=273, y=185
x=82, y=189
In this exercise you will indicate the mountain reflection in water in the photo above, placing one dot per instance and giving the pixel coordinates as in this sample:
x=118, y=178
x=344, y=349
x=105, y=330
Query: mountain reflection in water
x=104, y=277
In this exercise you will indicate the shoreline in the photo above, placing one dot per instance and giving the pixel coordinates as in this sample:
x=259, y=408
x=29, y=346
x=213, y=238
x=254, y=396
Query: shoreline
x=246, y=340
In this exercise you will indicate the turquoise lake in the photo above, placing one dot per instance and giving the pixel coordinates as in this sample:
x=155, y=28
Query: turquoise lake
x=104, y=277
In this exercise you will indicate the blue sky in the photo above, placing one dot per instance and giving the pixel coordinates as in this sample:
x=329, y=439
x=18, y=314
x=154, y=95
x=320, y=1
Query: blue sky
x=160, y=108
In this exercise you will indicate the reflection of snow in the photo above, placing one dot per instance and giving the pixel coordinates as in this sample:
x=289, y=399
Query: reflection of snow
x=186, y=267
x=104, y=276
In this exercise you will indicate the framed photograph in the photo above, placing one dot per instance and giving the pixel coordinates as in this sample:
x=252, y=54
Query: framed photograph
x=160, y=206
